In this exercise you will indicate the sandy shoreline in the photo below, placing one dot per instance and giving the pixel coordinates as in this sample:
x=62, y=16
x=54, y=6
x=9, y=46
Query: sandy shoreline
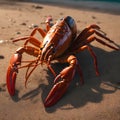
x=105, y=7
x=93, y=101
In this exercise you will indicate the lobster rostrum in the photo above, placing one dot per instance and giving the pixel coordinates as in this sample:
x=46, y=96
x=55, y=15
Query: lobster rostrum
x=60, y=42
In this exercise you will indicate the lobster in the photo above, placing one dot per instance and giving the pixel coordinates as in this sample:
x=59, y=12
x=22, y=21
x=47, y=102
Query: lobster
x=61, y=43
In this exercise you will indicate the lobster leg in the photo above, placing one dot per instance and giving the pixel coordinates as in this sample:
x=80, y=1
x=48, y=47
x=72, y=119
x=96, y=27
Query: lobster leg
x=62, y=81
x=29, y=39
x=92, y=38
x=92, y=54
x=84, y=34
x=41, y=31
x=15, y=61
x=87, y=36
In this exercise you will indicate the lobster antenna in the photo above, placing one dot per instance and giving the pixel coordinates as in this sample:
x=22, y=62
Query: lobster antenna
x=29, y=73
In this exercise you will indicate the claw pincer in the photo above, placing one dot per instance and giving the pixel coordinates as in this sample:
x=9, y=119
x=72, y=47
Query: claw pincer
x=62, y=82
x=12, y=73
x=56, y=93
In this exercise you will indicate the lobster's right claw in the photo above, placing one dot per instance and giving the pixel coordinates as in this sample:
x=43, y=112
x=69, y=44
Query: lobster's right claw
x=12, y=72
x=61, y=84
x=56, y=93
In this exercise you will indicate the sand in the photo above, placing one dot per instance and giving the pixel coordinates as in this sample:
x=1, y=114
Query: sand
x=97, y=99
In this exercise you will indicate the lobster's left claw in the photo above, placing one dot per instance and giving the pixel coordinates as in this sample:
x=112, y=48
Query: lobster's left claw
x=12, y=73
x=61, y=86
x=10, y=79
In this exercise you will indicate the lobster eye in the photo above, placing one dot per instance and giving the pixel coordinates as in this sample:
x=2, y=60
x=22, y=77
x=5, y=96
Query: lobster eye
x=41, y=48
x=71, y=23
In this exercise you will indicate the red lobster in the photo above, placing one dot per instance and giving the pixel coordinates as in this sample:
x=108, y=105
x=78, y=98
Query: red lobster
x=60, y=42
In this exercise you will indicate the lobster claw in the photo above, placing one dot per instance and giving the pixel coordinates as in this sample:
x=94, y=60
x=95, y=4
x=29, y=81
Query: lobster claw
x=12, y=73
x=61, y=86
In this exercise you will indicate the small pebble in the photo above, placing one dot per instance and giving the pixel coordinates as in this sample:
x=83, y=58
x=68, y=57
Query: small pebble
x=2, y=27
x=77, y=84
x=33, y=26
x=24, y=24
x=2, y=87
x=78, y=21
x=18, y=33
x=93, y=17
x=1, y=57
x=98, y=22
x=11, y=38
x=37, y=7
x=42, y=23
x=30, y=27
x=61, y=13
x=3, y=41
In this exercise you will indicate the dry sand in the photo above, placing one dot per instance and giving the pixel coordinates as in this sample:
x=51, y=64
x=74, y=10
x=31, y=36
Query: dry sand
x=95, y=100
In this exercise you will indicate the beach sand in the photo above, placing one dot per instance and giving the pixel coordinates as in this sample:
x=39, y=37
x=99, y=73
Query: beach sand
x=97, y=99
